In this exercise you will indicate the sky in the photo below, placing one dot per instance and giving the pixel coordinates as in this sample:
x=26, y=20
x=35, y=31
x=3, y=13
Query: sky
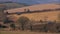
x=31, y=2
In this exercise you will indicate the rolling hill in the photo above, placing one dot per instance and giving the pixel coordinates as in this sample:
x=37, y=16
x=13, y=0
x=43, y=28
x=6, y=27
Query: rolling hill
x=36, y=16
x=11, y=5
x=35, y=7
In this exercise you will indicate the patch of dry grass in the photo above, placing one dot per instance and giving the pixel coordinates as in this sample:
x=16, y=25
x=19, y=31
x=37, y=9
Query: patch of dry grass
x=24, y=32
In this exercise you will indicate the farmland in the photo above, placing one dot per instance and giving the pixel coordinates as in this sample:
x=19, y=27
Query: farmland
x=23, y=32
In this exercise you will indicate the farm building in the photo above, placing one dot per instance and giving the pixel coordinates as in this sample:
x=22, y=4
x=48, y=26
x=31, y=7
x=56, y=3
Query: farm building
x=49, y=12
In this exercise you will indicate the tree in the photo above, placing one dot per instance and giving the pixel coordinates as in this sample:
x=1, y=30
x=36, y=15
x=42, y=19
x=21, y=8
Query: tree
x=12, y=26
x=59, y=17
x=23, y=21
x=45, y=28
x=41, y=21
x=28, y=10
x=31, y=26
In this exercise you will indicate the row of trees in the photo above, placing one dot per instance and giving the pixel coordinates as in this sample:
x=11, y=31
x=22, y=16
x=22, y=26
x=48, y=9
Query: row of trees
x=23, y=21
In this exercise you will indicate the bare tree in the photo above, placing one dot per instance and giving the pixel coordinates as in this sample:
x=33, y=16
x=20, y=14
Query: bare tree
x=23, y=21
x=27, y=10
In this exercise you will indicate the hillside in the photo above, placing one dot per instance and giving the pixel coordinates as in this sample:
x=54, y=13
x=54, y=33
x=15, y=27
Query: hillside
x=11, y=5
x=35, y=7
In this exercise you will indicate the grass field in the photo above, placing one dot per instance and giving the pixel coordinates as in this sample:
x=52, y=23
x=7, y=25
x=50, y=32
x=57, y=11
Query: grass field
x=23, y=32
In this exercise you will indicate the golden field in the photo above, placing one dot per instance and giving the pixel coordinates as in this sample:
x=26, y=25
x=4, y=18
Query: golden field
x=35, y=7
x=48, y=15
x=40, y=16
x=37, y=16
